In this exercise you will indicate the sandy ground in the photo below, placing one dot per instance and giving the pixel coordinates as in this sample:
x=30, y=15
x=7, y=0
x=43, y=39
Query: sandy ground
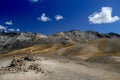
x=59, y=69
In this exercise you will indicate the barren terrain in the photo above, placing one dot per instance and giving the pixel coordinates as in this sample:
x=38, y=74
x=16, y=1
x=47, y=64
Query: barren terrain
x=72, y=55
x=58, y=69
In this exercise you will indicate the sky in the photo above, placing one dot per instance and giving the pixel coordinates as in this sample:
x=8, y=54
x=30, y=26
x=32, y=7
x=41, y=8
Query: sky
x=52, y=16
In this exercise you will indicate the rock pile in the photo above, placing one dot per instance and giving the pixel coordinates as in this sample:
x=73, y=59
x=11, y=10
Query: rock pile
x=36, y=67
x=20, y=65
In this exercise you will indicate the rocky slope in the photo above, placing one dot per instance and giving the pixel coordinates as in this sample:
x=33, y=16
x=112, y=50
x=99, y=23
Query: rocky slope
x=49, y=68
x=18, y=40
x=13, y=40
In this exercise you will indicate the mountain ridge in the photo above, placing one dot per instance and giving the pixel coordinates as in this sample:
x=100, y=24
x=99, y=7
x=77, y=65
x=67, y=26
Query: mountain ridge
x=18, y=40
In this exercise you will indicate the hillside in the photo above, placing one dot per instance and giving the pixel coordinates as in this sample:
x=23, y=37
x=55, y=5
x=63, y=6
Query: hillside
x=17, y=40
x=80, y=55
x=74, y=43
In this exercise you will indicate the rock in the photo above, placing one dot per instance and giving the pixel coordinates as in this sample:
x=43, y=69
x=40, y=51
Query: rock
x=29, y=57
x=14, y=63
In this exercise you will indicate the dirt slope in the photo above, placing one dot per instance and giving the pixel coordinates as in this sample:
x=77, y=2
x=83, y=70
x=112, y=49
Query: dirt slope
x=61, y=69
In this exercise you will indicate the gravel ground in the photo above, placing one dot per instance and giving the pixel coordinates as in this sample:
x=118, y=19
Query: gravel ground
x=58, y=69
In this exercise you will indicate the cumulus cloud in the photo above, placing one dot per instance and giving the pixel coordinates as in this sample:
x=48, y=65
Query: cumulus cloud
x=2, y=27
x=104, y=16
x=44, y=18
x=58, y=17
x=9, y=22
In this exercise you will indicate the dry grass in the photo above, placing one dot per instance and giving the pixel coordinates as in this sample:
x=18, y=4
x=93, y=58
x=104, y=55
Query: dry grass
x=68, y=50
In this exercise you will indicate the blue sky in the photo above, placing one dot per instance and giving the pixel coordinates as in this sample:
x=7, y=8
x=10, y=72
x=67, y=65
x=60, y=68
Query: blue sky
x=51, y=16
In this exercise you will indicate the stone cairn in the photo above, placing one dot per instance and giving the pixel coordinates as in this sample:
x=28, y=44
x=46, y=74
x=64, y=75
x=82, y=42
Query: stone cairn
x=19, y=65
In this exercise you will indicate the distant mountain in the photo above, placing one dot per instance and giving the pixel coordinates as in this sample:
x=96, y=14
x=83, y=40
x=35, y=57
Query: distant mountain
x=18, y=40
x=88, y=35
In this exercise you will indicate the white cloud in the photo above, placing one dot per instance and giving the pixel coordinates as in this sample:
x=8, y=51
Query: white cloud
x=17, y=29
x=105, y=16
x=2, y=27
x=9, y=22
x=12, y=30
x=58, y=17
x=44, y=18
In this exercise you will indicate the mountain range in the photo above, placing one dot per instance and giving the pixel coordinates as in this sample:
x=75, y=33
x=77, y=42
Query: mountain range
x=74, y=43
x=71, y=55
